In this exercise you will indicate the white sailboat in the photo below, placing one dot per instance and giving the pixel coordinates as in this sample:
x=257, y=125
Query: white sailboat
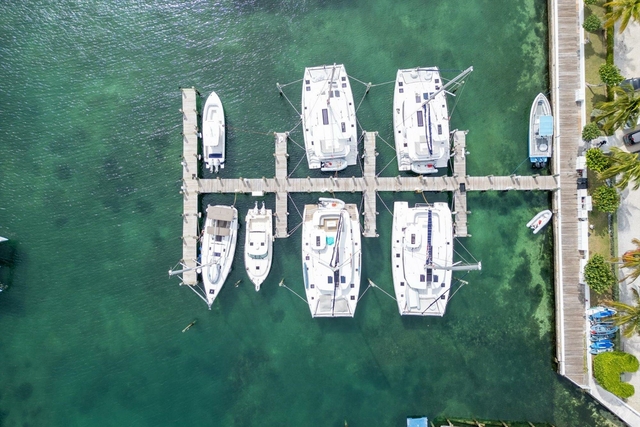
x=540, y=131
x=218, y=248
x=258, y=244
x=331, y=258
x=422, y=258
x=328, y=118
x=421, y=119
x=213, y=133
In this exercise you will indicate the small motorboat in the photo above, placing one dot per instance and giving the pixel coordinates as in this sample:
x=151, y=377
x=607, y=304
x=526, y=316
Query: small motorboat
x=603, y=329
x=540, y=220
x=602, y=315
x=602, y=344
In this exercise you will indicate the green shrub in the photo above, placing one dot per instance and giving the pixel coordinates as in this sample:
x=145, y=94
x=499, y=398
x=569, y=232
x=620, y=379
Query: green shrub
x=590, y=2
x=597, y=161
x=606, y=199
x=607, y=368
x=610, y=74
x=590, y=131
x=592, y=24
x=598, y=274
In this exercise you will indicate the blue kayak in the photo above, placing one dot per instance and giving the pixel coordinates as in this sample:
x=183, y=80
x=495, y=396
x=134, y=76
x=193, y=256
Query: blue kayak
x=602, y=314
x=602, y=345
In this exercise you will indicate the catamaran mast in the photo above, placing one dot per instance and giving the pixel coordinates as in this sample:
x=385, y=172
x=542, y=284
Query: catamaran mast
x=451, y=82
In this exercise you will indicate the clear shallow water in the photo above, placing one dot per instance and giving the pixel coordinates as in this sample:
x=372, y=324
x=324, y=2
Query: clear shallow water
x=89, y=180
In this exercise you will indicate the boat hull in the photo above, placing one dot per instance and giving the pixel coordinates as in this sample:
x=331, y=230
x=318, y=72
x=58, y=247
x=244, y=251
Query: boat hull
x=539, y=221
x=218, y=248
x=258, y=245
x=422, y=246
x=213, y=133
x=420, y=128
x=540, y=131
x=328, y=118
x=331, y=258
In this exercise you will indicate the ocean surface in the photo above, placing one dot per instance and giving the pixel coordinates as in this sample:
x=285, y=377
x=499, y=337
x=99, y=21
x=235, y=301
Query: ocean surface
x=90, y=146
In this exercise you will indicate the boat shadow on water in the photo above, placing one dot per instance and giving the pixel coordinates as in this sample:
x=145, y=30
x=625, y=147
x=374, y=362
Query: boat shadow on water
x=9, y=260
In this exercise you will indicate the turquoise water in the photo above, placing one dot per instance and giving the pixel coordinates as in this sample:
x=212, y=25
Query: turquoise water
x=89, y=182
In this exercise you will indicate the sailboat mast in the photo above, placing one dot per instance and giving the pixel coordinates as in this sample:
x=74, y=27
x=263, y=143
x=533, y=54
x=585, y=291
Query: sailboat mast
x=451, y=82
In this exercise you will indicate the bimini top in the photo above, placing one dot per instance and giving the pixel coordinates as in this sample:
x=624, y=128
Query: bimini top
x=546, y=125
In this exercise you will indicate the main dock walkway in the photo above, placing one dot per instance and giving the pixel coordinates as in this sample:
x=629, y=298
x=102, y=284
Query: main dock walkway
x=571, y=325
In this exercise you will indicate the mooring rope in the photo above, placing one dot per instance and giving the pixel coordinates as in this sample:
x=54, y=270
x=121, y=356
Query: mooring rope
x=514, y=171
x=386, y=166
x=296, y=167
x=287, y=84
x=385, y=141
x=294, y=141
x=294, y=229
x=282, y=285
x=249, y=131
x=285, y=96
x=378, y=287
x=297, y=124
x=294, y=205
x=385, y=205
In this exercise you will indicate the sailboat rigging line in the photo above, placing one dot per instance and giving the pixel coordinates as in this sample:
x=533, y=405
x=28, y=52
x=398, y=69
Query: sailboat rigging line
x=385, y=205
x=457, y=98
x=296, y=167
x=521, y=163
x=198, y=293
x=386, y=166
x=378, y=287
x=294, y=205
x=467, y=250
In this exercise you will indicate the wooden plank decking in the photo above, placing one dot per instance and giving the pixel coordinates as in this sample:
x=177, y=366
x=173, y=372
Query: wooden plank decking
x=570, y=298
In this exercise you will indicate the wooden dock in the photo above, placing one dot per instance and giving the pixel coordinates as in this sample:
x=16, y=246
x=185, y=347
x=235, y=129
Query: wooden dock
x=189, y=188
x=571, y=328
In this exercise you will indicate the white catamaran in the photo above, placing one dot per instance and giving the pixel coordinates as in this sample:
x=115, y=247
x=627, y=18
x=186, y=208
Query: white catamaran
x=331, y=258
x=218, y=248
x=258, y=244
x=421, y=119
x=328, y=118
x=422, y=258
x=213, y=135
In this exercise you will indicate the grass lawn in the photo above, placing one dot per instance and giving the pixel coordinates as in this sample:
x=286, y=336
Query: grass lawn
x=595, y=52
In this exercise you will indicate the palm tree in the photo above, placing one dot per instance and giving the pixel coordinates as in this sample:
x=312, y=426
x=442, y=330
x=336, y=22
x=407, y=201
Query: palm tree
x=628, y=316
x=623, y=11
x=624, y=108
x=625, y=164
x=631, y=260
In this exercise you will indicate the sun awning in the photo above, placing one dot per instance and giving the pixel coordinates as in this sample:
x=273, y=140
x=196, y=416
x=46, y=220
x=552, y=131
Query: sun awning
x=546, y=125
x=220, y=213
